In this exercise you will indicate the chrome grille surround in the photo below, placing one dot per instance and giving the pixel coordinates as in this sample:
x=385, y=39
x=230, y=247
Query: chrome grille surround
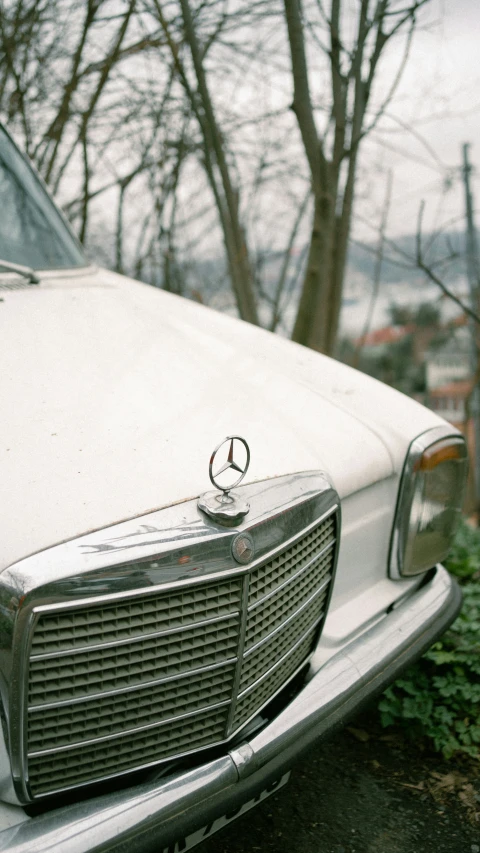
x=195, y=659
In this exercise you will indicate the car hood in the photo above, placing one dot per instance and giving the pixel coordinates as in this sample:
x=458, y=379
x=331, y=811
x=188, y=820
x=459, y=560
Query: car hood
x=114, y=395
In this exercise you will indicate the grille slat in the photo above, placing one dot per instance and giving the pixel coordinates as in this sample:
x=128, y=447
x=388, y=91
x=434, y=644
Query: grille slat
x=78, y=628
x=266, y=578
x=87, y=764
x=268, y=616
x=265, y=656
x=257, y=698
x=91, y=672
x=112, y=714
x=174, y=666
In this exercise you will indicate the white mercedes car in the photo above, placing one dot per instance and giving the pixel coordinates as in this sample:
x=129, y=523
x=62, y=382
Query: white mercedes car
x=215, y=545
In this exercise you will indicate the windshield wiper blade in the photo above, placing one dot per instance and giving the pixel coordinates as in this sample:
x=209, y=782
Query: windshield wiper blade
x=27, y=272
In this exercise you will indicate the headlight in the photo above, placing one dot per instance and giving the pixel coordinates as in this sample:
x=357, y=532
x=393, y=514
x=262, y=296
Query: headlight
x=430, y=501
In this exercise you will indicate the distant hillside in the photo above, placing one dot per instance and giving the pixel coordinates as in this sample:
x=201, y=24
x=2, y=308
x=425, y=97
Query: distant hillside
x=206, y=279
x=399, y=257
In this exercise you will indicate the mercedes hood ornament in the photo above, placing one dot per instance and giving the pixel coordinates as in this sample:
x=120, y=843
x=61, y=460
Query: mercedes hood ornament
x=229, y=459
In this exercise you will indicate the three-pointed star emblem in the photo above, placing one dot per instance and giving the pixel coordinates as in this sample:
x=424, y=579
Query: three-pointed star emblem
x=233, y=451
x=230, y=463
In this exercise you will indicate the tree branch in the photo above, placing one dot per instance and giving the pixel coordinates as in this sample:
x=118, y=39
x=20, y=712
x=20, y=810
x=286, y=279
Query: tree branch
x=377, y=271
x=431, y=275
x=302, y=103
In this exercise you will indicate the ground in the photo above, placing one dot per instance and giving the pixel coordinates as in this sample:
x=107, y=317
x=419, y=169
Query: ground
x=365, y=790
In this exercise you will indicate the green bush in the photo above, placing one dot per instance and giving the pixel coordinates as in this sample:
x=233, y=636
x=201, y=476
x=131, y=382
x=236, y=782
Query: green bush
x=464, y=559
x=439, y=696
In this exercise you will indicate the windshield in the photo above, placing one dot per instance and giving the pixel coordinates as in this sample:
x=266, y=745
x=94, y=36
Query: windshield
x=32, y=232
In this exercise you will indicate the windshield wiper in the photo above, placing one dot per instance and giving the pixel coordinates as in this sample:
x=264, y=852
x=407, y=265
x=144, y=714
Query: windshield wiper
x=25, y=271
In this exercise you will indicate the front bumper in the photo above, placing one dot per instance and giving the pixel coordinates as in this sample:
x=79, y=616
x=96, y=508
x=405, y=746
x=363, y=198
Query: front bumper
x=154, y=815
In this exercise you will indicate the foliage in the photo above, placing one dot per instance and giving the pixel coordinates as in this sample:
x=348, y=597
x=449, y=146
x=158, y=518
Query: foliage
x=424, y=314
x=393, y=364
x=439, y=696
x=464, y=560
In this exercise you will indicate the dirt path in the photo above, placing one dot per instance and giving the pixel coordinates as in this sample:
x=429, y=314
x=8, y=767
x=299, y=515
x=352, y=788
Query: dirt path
x=364, y=792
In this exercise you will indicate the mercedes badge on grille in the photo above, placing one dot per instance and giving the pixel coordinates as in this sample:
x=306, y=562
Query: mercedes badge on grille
x=225, y=506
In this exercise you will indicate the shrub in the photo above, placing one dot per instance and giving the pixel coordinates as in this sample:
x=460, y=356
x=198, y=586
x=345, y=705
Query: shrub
x=439, y=696
x=464, y=559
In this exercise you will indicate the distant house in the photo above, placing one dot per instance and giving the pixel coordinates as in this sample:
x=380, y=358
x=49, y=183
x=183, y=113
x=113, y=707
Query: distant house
x=449, y=401
x=450, y=362
x=383, y=337
x=449, y=385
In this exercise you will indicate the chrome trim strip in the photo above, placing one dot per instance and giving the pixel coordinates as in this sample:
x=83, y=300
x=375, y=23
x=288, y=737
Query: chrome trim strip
x=145, y=685
x=292, y=616
x=281, y=660
x=240, y=649
x=112, y=776
x=112, y=598
x=234, y=572
x=23, y=650
x=292, y=578
x=134, y=639
x=116, y=735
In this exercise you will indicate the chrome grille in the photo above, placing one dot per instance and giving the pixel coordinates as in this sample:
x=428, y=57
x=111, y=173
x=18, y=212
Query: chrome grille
x=125, y=684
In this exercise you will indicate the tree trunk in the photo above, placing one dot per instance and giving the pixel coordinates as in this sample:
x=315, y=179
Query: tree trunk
x=315, y=316
x=234, y=236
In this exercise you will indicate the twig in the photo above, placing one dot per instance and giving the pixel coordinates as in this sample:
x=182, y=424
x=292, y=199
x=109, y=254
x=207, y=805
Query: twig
x=276, y=313
x=431, y=275
x=378, y=271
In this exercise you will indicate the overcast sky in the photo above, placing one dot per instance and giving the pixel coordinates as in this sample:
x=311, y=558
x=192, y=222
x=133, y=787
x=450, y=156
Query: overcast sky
x=439, y=97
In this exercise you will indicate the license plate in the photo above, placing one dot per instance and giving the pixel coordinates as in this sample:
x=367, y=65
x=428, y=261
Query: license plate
x=200, y=835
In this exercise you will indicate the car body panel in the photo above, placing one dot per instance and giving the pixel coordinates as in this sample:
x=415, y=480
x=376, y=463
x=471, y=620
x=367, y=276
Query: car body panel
x=117, y=394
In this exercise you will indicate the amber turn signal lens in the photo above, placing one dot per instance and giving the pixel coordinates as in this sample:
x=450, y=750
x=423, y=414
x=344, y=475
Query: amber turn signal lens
x=440, y=452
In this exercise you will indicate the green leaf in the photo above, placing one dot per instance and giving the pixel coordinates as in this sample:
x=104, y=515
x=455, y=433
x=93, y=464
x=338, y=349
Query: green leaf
x=438, y=697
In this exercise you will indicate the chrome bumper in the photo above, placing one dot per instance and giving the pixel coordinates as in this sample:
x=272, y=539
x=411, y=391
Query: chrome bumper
x=153, y=815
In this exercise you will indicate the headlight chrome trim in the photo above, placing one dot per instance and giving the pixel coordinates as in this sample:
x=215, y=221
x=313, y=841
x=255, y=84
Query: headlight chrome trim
x=398, y=570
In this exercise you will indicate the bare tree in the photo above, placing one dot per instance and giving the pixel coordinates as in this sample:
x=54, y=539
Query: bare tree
x=116, y=99
x=215, y=159
x=377, y=271
x=68, y=87
x=332, y=154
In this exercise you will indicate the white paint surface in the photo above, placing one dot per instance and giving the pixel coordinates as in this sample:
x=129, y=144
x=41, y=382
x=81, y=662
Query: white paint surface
x=113, y=395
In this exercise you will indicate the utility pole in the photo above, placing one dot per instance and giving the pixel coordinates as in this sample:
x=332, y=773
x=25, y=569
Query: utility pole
x=473, y=275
